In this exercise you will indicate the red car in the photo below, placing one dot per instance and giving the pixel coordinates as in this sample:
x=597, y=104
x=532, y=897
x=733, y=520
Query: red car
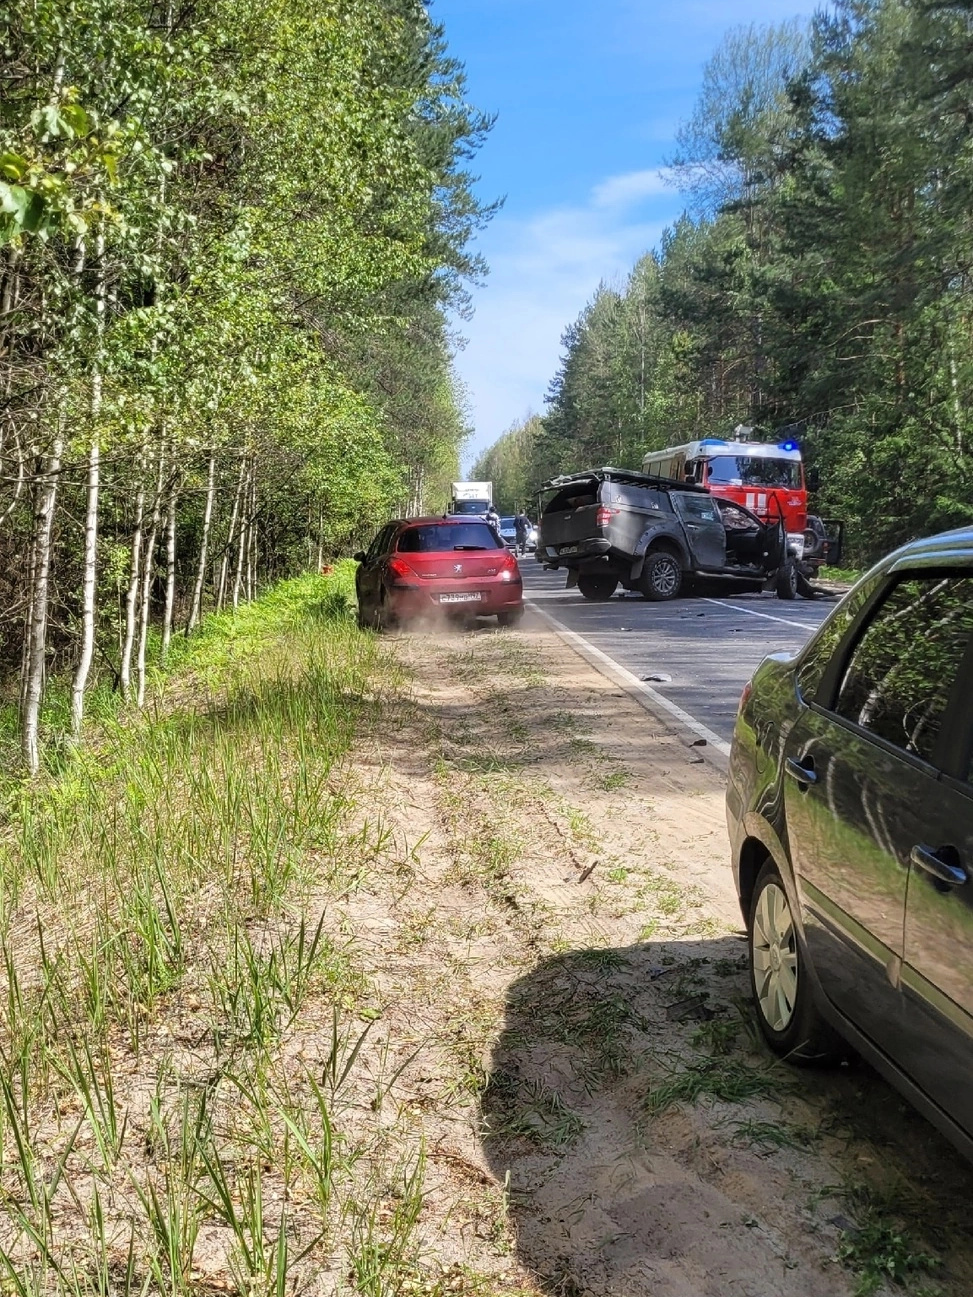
x=433, y=566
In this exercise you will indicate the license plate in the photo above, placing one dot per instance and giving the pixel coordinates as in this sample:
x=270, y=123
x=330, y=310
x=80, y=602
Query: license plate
x=474, y=596
x=569, y=549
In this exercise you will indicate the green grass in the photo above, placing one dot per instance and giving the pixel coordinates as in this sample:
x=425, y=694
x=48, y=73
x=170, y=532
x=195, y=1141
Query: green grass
x=768, y=1136
x=880, y=1252
x=165, y=948
x=885, y=1246
x=724, y=1079
x=846, y=575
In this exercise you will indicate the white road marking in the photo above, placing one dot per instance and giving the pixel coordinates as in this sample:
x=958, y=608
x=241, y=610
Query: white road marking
x=608, y=666
x=752, y=612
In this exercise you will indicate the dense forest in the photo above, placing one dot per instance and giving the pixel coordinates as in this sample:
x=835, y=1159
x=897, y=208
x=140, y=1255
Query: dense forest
x=820, y=281
x=231, y=239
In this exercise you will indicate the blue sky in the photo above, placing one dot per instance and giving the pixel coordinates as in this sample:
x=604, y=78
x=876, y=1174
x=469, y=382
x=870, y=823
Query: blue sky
x=588, y=96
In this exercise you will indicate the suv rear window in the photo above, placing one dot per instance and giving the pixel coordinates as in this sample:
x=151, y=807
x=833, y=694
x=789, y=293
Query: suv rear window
x=436, y=536
x=573, y=497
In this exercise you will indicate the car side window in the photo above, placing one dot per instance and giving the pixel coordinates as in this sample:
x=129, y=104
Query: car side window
x=701, y=508
x=901, y=671
x=379, y=544
x=734, y=518
x=819, y=653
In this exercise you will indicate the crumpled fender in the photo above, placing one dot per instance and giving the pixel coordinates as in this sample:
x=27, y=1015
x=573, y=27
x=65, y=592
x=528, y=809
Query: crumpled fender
x=645, y=541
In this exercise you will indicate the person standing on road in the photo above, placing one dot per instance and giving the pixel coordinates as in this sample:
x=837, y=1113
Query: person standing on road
x=491, y=516
x=522, y=525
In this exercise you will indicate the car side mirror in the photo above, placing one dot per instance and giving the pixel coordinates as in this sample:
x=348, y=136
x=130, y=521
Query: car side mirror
x=813, y=479
x=359, y=556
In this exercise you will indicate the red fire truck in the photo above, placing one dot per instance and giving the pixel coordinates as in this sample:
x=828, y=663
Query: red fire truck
x=768, y=479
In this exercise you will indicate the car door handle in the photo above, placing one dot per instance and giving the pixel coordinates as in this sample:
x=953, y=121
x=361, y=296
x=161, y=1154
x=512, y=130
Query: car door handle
x=803, y=774
x=932, y=862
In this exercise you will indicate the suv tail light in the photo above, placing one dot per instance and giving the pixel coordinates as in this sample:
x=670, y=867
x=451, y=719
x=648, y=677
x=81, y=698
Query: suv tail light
x=604, y=515
x=399, y=567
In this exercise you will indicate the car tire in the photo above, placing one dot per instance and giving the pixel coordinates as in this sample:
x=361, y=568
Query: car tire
x=786, y=585
x=783, y=995
x=385, y=618
x=661, y=577
x=596, y=587
x=510, y=617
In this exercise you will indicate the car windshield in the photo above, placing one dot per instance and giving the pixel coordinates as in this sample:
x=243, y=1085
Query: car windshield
x=437, y=536
x=752, y=470
x=470, y=506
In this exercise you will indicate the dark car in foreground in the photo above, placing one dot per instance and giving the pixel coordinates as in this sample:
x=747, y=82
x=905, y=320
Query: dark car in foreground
x=456, y=567
x=850, y=809
x=610, y=527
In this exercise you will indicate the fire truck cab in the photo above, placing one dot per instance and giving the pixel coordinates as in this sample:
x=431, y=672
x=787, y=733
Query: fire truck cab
x=767, y=478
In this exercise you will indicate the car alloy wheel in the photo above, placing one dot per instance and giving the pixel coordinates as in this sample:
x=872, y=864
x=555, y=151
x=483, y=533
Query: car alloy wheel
x=661, y=576
x=787, y=580
x=773, y=946
x=789, y=1018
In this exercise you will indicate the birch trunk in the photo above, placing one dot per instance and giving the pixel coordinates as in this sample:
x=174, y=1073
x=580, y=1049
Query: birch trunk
x=36, y=654
x=170, y=566
x=89, y=585
x=148, y=566
x=241, y=556
x=225, y=562
x=197, y=604
x=131, y=596
x=252, y=541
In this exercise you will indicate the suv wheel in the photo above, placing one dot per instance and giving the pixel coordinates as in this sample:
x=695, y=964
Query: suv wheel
x=594, y=586
x=661, y=576
x=782, y=993
x=787, y=580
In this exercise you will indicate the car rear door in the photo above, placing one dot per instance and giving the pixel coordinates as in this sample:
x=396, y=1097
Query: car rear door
x=937, y=972
x=370, y=573
x=704, y=529
x=861, y=787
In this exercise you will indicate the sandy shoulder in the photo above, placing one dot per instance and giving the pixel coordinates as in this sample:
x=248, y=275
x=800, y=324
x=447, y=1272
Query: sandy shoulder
x=563, y=955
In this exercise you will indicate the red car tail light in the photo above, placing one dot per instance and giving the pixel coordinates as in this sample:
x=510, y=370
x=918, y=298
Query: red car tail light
x=509, y=562
x=604, y=515
x=399, y=567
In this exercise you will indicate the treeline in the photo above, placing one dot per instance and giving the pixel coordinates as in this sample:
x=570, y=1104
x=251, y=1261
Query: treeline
x=819, y=283
x=229, y=235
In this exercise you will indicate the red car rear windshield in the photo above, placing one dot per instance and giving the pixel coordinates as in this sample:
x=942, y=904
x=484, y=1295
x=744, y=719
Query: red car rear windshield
x=448, y=535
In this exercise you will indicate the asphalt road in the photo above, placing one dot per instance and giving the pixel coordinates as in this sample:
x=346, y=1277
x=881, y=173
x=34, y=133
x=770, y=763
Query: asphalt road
x=698, y=652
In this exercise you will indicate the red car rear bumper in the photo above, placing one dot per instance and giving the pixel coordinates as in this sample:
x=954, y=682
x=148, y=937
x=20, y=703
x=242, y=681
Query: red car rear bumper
x=473, y=598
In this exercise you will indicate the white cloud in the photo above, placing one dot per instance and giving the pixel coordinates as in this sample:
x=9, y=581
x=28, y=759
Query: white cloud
x=631, y=188
x=543, y=270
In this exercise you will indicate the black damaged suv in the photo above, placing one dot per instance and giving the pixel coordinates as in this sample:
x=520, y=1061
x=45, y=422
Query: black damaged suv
x=611, y=527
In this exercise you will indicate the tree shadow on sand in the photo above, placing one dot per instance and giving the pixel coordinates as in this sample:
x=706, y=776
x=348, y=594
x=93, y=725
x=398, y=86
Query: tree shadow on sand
x=652, y=1147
